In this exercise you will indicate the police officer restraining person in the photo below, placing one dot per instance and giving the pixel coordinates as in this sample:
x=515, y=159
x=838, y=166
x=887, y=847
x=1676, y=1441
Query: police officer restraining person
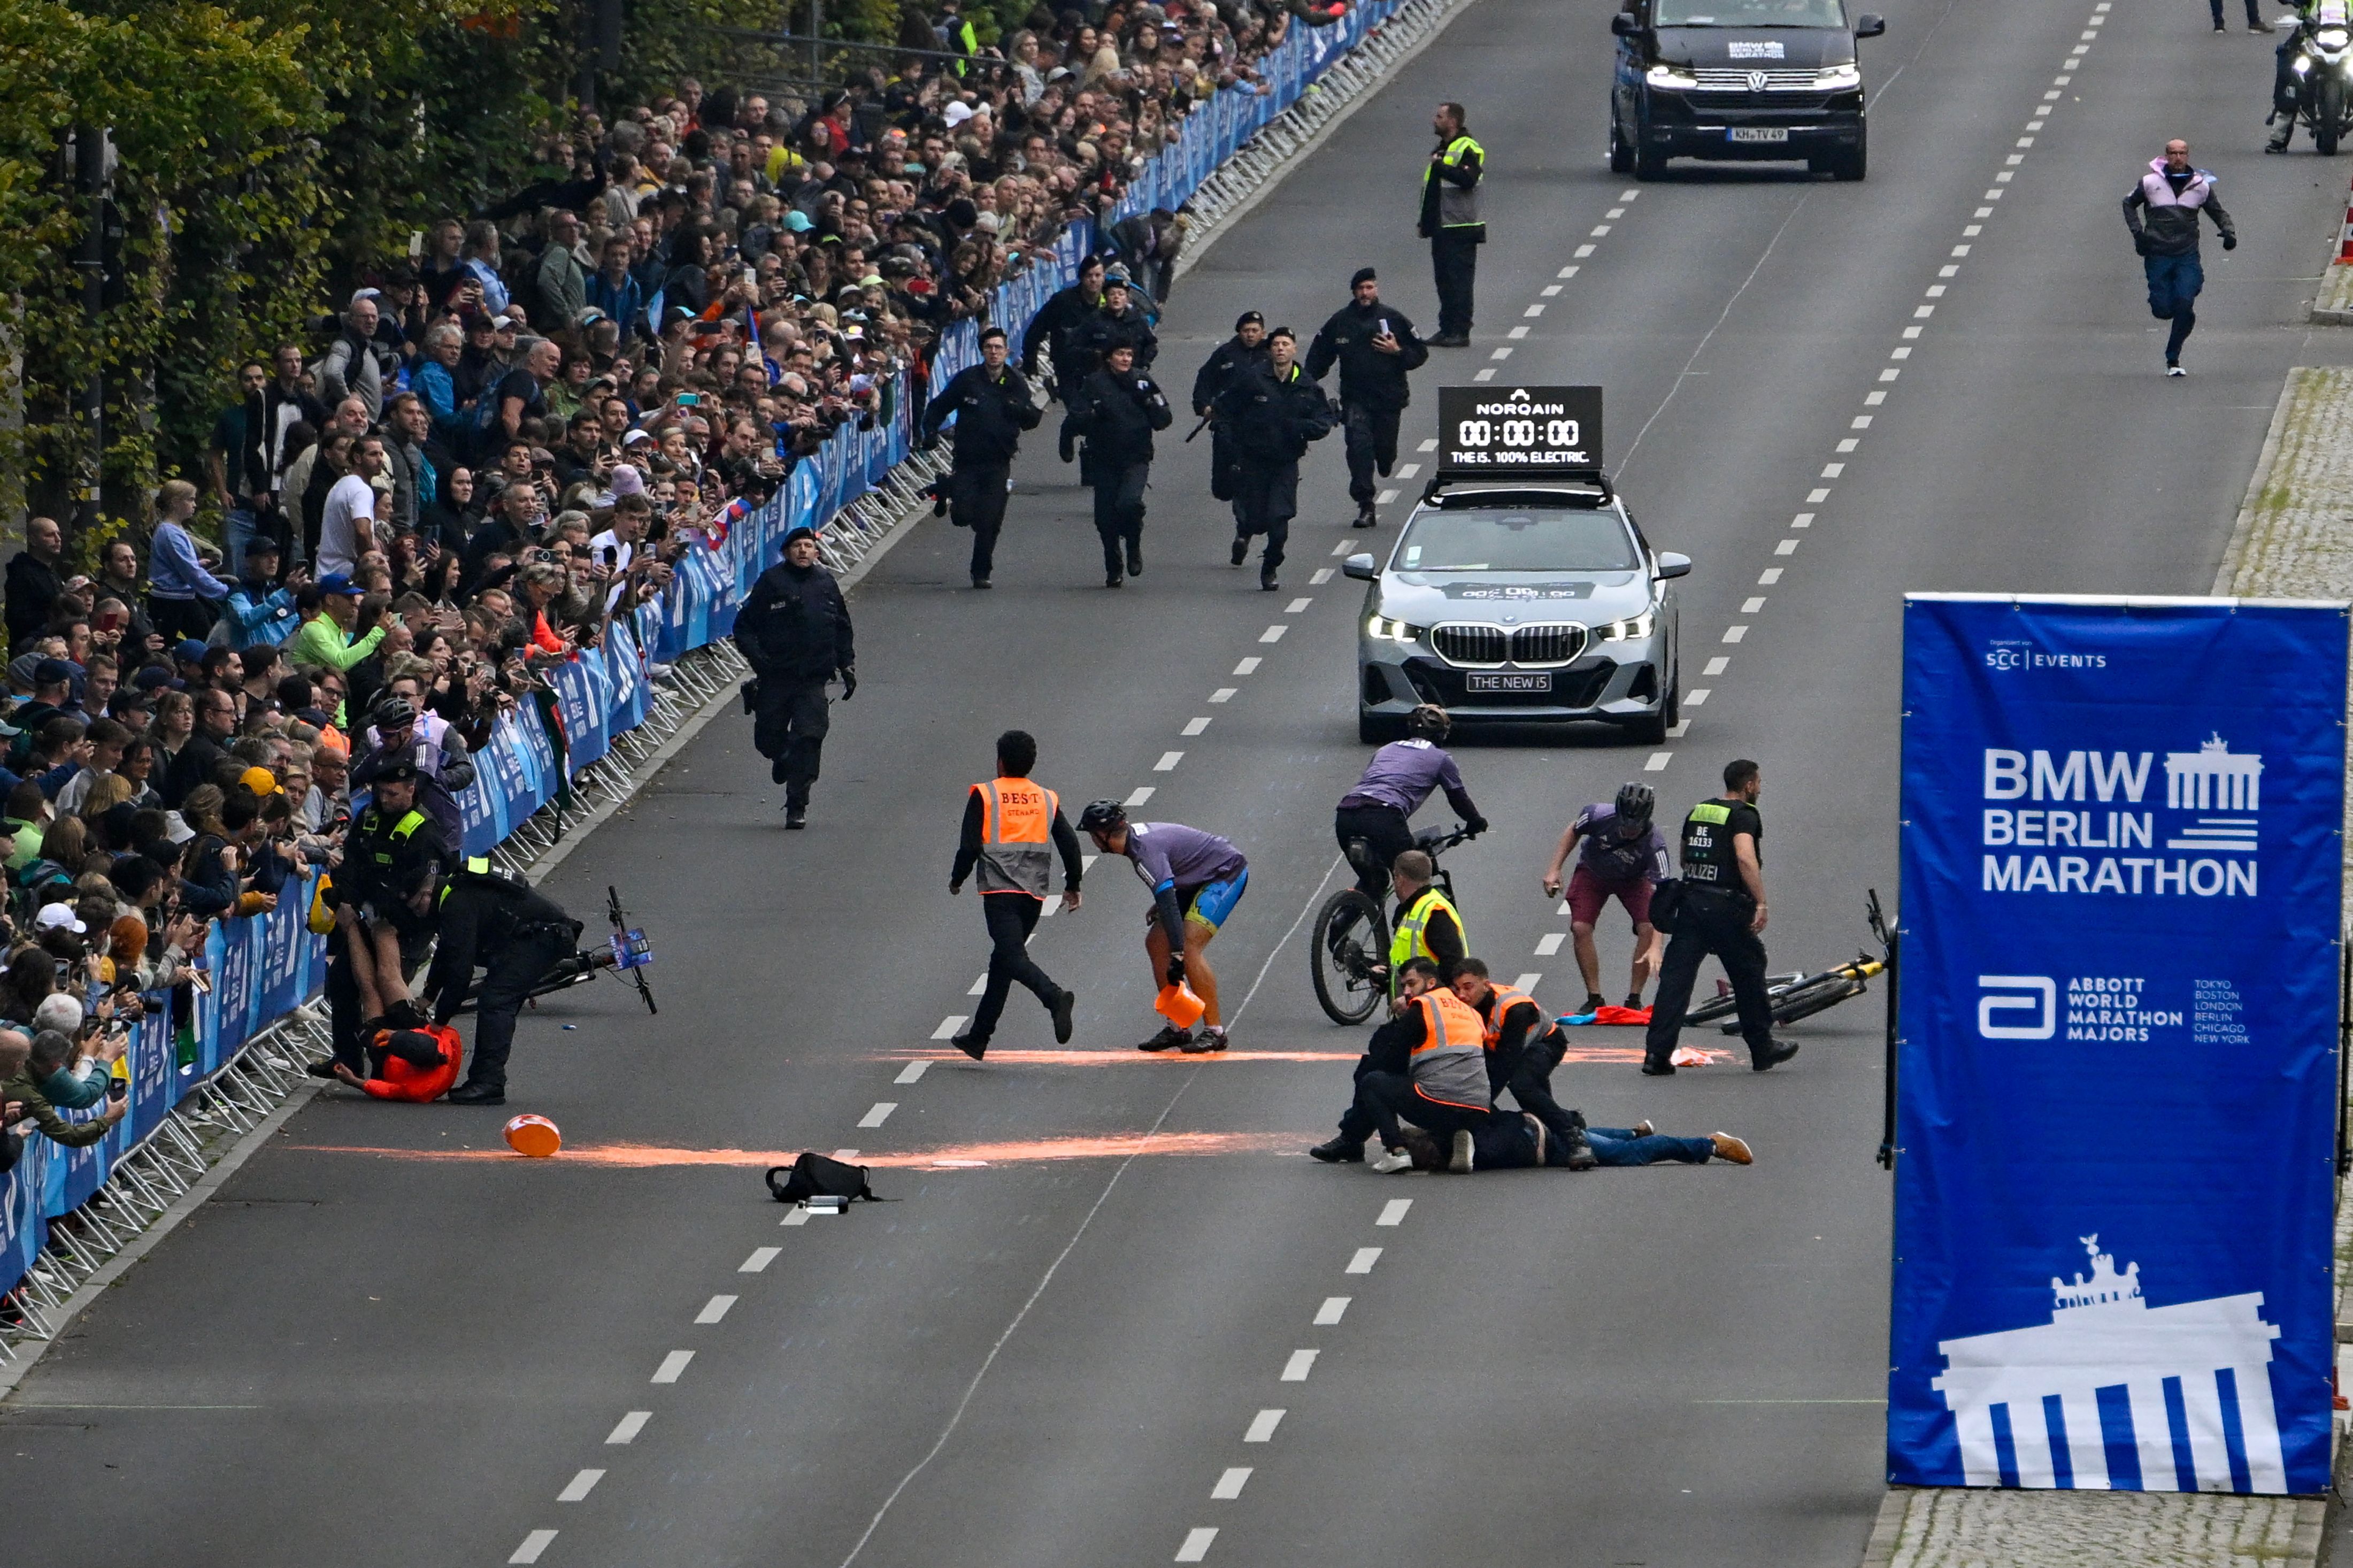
x=393, y=857
x=1116, y=409
x=1245, y=349
x=502, y=925
x=1720, y=911
x=1276, y=411
x=992, y=406
x=1450, y=221
x=794, y=630
x=1013, y=827
x=1427, y=1064
x=1374, y=347
x=1055, y=333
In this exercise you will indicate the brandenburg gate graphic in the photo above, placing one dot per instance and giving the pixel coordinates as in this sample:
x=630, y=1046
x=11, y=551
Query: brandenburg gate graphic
x=2115, y=1395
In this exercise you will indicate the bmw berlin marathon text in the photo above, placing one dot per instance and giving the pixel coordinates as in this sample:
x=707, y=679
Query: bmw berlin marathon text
x=2202, y=844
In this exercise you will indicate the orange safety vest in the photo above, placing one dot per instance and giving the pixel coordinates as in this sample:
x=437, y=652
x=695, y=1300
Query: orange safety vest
x=1449, y=1065
x=1501, y=1000
x=1016, y=835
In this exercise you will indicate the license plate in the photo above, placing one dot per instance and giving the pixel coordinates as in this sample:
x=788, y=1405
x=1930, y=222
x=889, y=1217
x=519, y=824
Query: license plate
x=1540, y=683
x=1758, y=133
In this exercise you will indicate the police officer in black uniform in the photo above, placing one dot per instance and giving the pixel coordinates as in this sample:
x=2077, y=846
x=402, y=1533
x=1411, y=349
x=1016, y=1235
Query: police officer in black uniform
x=1055, y=333
x=1120, y=322
x=793, y=631
x=1275, y=412
x=1722, y=912
x=1116, y=409
x=992, y=406
x=1244, y=350
x=497, y=923
x=1375, y=346
x=387, y=862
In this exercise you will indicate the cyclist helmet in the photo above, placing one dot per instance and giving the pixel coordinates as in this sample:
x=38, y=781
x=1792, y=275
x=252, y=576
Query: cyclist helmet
x=1101, y=817
x=1428, y=722
x=1634, y=803
x=393, y=713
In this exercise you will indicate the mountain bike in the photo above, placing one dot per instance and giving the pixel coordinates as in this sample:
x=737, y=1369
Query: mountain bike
x=1796, y=996
x=1348, y=948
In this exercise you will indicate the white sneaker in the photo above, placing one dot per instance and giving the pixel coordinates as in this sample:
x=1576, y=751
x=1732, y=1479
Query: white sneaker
x=1460, y=1163
x=2175, y=370
x=1388, y=1162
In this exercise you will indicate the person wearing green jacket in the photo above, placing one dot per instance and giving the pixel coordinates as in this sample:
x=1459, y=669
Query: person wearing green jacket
x=330, y=609
x=24, y=1089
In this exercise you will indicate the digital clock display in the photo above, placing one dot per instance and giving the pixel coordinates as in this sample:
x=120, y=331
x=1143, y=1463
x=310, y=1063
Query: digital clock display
x=1519, y=433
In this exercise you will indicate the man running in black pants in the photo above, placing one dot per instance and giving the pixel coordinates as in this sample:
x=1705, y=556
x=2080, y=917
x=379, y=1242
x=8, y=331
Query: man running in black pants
x=1008, y=822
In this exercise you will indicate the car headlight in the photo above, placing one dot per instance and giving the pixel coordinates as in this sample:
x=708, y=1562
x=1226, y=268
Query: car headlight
x=1668, y=75
x=1634, y=627
x=1383, y=629
x=2332, y=38
x=2303, y=64
x=1837, y=79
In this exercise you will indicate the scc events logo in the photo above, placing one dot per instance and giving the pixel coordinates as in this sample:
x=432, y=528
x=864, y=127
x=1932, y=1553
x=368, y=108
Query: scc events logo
x=2006, y=655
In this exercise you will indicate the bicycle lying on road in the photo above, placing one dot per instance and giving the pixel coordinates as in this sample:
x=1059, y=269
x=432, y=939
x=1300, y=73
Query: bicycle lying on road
x=1796, y=996
x=1348, y=949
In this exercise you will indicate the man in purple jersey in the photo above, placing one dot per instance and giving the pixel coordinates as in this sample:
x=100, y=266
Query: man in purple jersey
x=1196, y=879
x=1401, y=776
x=1620, y=854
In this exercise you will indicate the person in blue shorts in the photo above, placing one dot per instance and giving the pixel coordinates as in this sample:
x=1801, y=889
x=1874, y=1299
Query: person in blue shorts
x=1196, y=879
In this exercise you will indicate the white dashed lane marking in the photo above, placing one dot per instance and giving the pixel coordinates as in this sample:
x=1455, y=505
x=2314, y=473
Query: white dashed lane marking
x=672, y=1364
x=1138, y=796
x=1297, y=604
x=1249, y=665
x=1272, y=634
x=1393, y=1212
x=764, y=1255
x=1197, y=1544
x=1361, y=1263
x=914, y=1071
x=948, y=1027
x=1301, y=1364
x=1549, y=943
x=1230, y=1485
x=715, y=1310
x=580, y=1487
x=1224, y=694
x=1658, y=763
x=1167, y=762
x=1716, y=667
x=1262, y=1425
x=1323, y=575
x=1334, y=1309
x=1196, y=725
x=635, y=1421
x=537, y=1541
x=1529, y=980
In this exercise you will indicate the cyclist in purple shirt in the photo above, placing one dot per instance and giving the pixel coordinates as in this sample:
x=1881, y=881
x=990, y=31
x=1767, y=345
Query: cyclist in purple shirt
x=1620, y=854
x=1196, y=879
x=1401, y=776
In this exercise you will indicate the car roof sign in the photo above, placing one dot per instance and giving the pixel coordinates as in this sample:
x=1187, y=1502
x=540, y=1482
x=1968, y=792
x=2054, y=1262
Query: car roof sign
x=1519, y=433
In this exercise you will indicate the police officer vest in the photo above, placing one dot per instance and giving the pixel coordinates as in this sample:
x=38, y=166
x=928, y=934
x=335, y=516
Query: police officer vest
x=1458, y=208
x=401, y=831
x=1017, y=827
x=1411, y=941
x=1709, y=860
x=1449, y=1065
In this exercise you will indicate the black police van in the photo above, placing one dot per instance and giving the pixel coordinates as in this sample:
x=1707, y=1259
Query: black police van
x=1738, y=79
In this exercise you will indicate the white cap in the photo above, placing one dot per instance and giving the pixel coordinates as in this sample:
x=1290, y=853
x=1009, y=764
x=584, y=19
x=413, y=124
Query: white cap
x=956, y=113
x=58, y=917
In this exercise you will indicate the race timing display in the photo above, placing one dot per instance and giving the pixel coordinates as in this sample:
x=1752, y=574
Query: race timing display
x=1522, y=433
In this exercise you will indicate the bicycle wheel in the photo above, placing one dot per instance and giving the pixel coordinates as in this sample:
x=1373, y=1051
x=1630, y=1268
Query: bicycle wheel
x=1344, y=949
x=1809, y=996
x=1777, y=987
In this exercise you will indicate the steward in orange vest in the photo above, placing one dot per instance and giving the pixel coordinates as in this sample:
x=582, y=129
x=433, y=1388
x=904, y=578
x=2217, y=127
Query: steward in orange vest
x=1013, y=829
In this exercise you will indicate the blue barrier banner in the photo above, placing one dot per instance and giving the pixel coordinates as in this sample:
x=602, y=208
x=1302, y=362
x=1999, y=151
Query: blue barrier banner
x=2121, y=860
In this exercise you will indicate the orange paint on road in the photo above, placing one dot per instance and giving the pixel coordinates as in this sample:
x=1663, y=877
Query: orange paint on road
x=651, y=1156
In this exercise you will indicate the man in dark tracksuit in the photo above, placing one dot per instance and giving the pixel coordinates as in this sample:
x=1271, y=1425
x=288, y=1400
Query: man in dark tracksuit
x=515, y=934
x=1374, y=346
x=992, y=406
x=1524, y=1047
x=1245, y=349
x=1055, y=331
x=1120, y=321
x=793, y=631
x=2173, y=193
x=1275, y=412
x=1451, y=222
x=1117, y=409
x=1009, y=823
x=1722, y=912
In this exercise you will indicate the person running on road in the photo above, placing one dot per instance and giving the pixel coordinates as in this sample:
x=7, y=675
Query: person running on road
x=1401, y=776
x=1722, y=912
x=1524, y=1045
x=1374, y=345
x=1055, y=333
x=1196, y=879
x=795, y=632
x=1276, y=411
x=2173, y=193
x=1116, y=409
x=1008, y=823
x=1244, y=351
x=992, y=406
x=1620, y=854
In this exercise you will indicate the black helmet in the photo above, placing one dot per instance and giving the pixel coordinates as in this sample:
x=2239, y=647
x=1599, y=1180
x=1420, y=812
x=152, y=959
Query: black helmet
x=1634, y=803
x=393, y=713
x=1101, y=816
x=1428, y=722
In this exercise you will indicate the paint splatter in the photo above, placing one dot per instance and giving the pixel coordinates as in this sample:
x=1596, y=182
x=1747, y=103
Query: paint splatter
x=963, y=1156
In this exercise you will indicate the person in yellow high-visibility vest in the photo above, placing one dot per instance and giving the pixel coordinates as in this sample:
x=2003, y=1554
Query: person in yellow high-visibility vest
x=1451, y=222
x=1427, y=925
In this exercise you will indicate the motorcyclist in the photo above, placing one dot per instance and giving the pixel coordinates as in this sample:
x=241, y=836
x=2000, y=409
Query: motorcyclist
x=2308, y=14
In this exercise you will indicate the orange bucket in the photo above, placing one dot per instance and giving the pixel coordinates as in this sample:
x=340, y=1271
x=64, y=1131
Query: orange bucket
x=1179, y=1005
x=533, y=1135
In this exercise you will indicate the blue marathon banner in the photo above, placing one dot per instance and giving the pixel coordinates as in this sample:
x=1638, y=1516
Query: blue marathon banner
x=2122, y=857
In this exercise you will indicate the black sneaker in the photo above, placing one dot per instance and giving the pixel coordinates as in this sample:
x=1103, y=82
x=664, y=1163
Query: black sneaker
x=324, y=1067
x=479, y=1094
x=1135, y=558
x=1113, y=580
x=980, y=583
x=1580, y=1153
x=1658, y=1070
x=1593, y=1003
x=1209, y=1040
x=1239, y=552
x=1780, y=1051
x=796, y=816
x=1634, y=999
x=971, y=1045
x=1267, y=583
x=1063, y=1004
x=1366, y=516
x=1338, y=1151
x=1170, y=1039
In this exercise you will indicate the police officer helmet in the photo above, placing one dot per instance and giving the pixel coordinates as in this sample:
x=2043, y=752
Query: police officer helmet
x=393, y=713
x=1634, y=803
x=401, y=771
x=1101, y=817
x=1428, y=722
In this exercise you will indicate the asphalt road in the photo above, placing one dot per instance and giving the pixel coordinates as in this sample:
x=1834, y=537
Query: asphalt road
x=388, y=1343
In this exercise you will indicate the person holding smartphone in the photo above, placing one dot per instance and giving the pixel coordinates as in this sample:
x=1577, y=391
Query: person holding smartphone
x=51, y=1053
x=1375, y=347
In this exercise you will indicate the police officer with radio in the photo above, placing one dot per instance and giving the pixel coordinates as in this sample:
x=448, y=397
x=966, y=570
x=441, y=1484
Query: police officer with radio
x=1013, y=829
x=516, y=934
x=992, y=406
x=1275, y=410
x=1718, y=908
x=1374, y=345
x=1116, y=409
x=1244, y=351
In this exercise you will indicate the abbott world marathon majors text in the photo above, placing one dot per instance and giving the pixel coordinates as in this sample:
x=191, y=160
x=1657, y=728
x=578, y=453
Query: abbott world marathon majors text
x=2211, y=796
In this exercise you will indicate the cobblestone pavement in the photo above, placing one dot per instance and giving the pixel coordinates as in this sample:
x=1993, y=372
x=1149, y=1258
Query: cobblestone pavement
x=2294, y=537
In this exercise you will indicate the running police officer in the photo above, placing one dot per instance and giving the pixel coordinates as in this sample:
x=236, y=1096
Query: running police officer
x=1244, y=350
x=992, y=406
x=1450, y=221
x=1720, y=911
x=1620, y=854
x=1275, y=411
x=1375, y=346
x=1056, y=331
x=1401, y=776
x=516, y=934
x=1121, y=321
x=794, y=630
x=1196, y=879
x=1117, y=409
x=1008, y=824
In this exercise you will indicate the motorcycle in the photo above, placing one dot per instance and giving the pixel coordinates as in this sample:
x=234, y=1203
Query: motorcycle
x=2321, y=76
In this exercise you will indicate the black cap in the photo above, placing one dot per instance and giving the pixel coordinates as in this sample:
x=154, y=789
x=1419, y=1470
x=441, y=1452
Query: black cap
x=401, y=771
x=804, y=531
x=1247, y=318
x=1364, y=275
x=260, y=545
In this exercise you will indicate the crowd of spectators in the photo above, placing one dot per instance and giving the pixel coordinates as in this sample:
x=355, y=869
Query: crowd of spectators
x=496, y=446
